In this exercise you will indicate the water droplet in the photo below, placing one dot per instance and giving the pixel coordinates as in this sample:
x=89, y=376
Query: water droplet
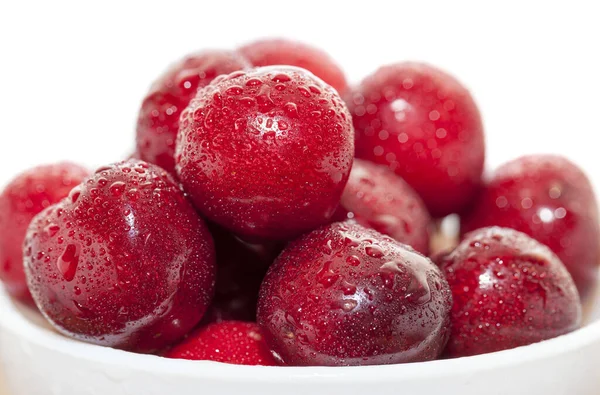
x=51, y=230
x=133, y=194
x=234, y=90
x=281, y=78
x=68, y=261
x=353, y=260
x=75, y=193
x=304, y=92
x=117, y=188
x=209, y=121
x=291, y=109
x=253, y=82
x=282, y=125
x=247, y=101
x=348, y=289
x=349, y=305
x=374, y=252
x=314, y=90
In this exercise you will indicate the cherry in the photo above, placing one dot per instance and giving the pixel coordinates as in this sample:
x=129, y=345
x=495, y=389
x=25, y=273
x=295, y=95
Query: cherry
x=550, y=199
x=425, y=126
x=26, y=195
x=158, y=120
x=266, y=153
x=509, y=290
x=241, y=267
x=123, y=261
x=271, y=52
x=347, y=295
x=377, y=198
x=234, y=342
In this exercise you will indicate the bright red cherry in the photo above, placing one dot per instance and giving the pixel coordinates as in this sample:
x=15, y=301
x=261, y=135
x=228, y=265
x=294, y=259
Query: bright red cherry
x=266, y=153
x=509, y=290
x=287, y=52
x=550, y=199
x=123, y=261
x=234, y=342
x=25, y=196
x=348, y=295
x=425, y=126
x=158, y=120
x=241, y=268
x=377, y=198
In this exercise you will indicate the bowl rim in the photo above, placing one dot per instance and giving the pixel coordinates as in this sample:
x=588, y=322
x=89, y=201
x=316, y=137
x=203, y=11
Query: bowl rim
x=15, y=322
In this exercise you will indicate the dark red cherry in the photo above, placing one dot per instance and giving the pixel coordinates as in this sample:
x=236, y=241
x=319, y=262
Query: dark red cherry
x=550, y=199
x=25, y=196
x=158, y=120
x=509, y=290
x=287, y=52
x=266, y=153
x=234, y=342
x=348, y=295
x=377, y=198
x=425, y=126
x=123, y=261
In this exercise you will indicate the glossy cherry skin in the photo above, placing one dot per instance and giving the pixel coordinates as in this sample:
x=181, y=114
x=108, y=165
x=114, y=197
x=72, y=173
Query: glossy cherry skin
x=550, y=199
x=425, y=126
x=377, y=198
x=509, y=291
x=241, y=267
x=348, y=295
x=124, y=261
x=158, y=119
x=270, y=52
x=25, y=196
x=266, y=153
x=235, y=342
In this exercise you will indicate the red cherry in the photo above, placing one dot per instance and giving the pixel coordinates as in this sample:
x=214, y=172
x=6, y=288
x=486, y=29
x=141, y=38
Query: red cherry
x=26, y=195
x=286, y=52
x=377, y=198
x=239, y=343
x=550, y=199
x=347, y=295
x=124, y=261
x=266, y=153
x=509, y=290
x=241, y=268
x=425, y=126
x=158, y=120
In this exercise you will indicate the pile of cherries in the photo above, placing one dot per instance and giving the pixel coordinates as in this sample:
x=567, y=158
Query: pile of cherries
x=273, y=215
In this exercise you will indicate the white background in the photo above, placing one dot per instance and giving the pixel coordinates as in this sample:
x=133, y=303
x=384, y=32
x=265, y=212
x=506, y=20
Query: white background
x=72, y=75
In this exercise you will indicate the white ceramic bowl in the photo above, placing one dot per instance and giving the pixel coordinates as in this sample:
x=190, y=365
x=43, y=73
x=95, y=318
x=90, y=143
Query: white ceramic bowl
x=38, y=361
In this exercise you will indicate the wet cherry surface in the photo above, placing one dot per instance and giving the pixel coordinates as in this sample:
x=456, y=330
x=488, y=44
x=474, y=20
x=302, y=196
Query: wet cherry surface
x=509, y=290
x=377, y=198
x=549, y=198
x=25, y=196
x=158, y=120
x=266, y=153
x=287, y=52
x=235, y=342
x=425, y=126
x=348, y=295
x=123, y=261
x=241, y=268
